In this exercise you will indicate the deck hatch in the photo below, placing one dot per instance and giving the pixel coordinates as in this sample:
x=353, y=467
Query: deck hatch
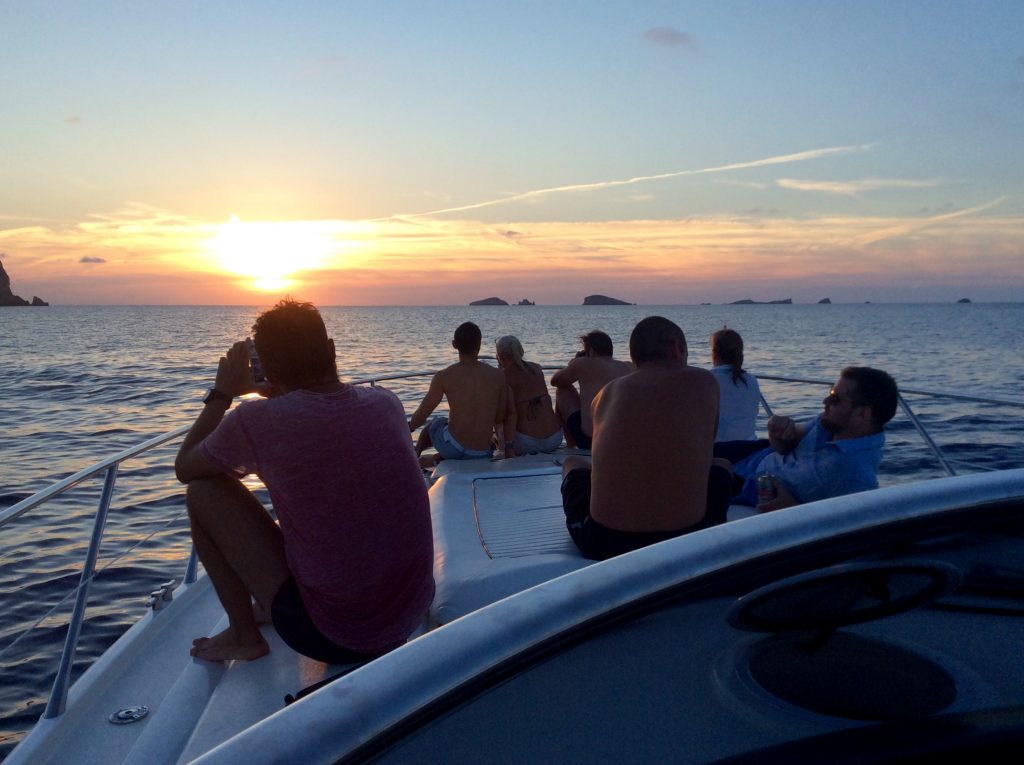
x=515, y=516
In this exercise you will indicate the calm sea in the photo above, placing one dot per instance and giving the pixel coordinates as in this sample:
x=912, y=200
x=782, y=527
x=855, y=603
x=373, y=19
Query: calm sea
x=81, y=383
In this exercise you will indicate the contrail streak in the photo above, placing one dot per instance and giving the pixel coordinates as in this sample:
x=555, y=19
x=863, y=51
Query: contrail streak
x=779, y=160
x=909, y=228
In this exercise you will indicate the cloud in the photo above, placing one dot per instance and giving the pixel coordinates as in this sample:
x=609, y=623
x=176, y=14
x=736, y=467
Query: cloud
x=780, y=159
x=668, y=37
x=853, y=188
x=91, y=259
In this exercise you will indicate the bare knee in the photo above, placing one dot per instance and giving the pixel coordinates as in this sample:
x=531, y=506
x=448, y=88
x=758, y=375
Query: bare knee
x=575, y=462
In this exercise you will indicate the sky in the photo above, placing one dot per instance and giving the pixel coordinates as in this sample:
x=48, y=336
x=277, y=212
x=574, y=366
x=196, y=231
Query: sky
x=412, y=153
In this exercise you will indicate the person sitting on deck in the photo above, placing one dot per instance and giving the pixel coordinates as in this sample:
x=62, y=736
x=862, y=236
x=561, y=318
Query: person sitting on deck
x=651, y=476
x=740, y=394
x=836, y=453
x=535, y=425
x=348, y=575
x=592, y=368
x=477, y=401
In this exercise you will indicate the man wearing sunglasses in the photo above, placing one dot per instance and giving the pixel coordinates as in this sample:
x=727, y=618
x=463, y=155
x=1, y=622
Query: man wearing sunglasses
x=836, y=453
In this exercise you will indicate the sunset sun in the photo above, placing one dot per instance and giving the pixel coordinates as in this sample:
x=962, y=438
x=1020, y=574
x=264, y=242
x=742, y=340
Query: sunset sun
x=268, y=254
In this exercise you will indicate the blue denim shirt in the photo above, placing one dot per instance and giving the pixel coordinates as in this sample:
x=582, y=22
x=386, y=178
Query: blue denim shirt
x=818, y=467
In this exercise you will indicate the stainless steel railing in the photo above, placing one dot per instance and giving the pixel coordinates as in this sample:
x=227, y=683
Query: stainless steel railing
x=109, y=468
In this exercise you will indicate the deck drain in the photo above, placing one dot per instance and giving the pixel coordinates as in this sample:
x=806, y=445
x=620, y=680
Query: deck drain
x=128, y=715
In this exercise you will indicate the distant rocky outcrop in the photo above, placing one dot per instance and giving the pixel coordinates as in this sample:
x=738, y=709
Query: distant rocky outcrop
x=489, y=301
x=526, y=301
x=748, y=301
x=603, y=300
x=824, y=301
x=964, y=300
x=8, y=298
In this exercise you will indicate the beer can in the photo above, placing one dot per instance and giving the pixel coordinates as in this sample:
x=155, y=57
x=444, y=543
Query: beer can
x=765, y=488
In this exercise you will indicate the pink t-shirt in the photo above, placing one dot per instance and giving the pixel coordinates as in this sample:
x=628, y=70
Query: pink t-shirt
x=348, y=492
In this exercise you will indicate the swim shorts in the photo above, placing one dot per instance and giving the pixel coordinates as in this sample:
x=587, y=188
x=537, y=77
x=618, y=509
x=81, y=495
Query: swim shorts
x=446, y=444
x=574, y=424
x=598, y=542
x=291, y=620
x=524, y=444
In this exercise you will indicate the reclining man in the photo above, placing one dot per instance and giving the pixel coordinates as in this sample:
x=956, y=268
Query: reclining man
x=477, y=402
x=836, y=453
x=650, y=477
x=592, y=368
x=348, y=574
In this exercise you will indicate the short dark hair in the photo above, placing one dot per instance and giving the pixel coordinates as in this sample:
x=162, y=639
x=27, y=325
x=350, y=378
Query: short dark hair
x=293, y=345
x=598, y=342
x=874, y=388
x=467, y=338
x=653, y=337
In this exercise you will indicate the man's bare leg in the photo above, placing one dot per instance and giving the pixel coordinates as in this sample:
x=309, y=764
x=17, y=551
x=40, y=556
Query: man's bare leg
x=243, y=552
x=567, y=403
x=574, y=462
x=423, y=442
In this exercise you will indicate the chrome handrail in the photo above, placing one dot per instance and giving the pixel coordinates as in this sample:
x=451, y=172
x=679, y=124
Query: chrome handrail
x=58, y=696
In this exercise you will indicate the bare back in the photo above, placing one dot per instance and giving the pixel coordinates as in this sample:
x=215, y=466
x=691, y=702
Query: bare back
x=653, y=435
x=593, y=373
x=477, y=396
x=535, y=415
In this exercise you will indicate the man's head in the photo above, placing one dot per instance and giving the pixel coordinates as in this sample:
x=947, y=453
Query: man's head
x=467, y=339
x=293, y=346
x=861, y=402
x=596, y=343
x=657, y=339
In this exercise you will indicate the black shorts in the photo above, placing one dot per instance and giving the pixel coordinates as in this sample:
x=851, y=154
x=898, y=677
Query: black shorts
x=598, y=542
x=296, y=628
x=574, y=424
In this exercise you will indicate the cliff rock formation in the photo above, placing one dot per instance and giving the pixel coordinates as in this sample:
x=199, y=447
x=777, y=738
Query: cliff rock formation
x=489, y=301
x=748, y=301
x=8, y=298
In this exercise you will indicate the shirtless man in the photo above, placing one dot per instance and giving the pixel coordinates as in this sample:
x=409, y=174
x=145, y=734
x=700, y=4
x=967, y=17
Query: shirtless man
x=654, y=429
x=592, y=368
x=477, y=402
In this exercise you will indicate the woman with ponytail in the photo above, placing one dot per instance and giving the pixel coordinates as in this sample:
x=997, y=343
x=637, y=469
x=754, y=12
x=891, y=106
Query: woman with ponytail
x=740, y=395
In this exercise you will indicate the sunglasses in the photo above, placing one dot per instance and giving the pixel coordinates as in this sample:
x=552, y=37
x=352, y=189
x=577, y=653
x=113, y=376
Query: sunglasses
x=834, y=398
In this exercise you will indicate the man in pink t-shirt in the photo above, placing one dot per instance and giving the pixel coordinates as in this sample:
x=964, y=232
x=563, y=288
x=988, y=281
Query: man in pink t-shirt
x=348, y=574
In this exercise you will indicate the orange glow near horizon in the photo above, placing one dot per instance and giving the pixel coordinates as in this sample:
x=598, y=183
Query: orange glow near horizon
x=268, y=254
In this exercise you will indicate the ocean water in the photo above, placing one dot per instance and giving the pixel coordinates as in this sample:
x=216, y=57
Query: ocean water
x=81, y=383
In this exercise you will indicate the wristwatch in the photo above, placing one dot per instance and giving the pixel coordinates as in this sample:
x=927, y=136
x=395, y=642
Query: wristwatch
x=217, y=395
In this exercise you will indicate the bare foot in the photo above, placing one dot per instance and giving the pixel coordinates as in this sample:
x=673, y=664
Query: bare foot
x=225, y=646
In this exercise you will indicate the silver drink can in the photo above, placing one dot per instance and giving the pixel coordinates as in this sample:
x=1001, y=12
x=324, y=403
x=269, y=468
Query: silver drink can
x=765, y=488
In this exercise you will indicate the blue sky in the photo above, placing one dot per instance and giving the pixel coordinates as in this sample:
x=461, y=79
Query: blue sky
x=133, y=132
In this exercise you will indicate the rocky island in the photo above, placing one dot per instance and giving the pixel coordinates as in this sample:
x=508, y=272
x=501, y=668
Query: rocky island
x=526, y=301
x=824, y=301
x=489, y=301
x=748, y=301
x=8, y=298
x=603, y=300
x=964, y=300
